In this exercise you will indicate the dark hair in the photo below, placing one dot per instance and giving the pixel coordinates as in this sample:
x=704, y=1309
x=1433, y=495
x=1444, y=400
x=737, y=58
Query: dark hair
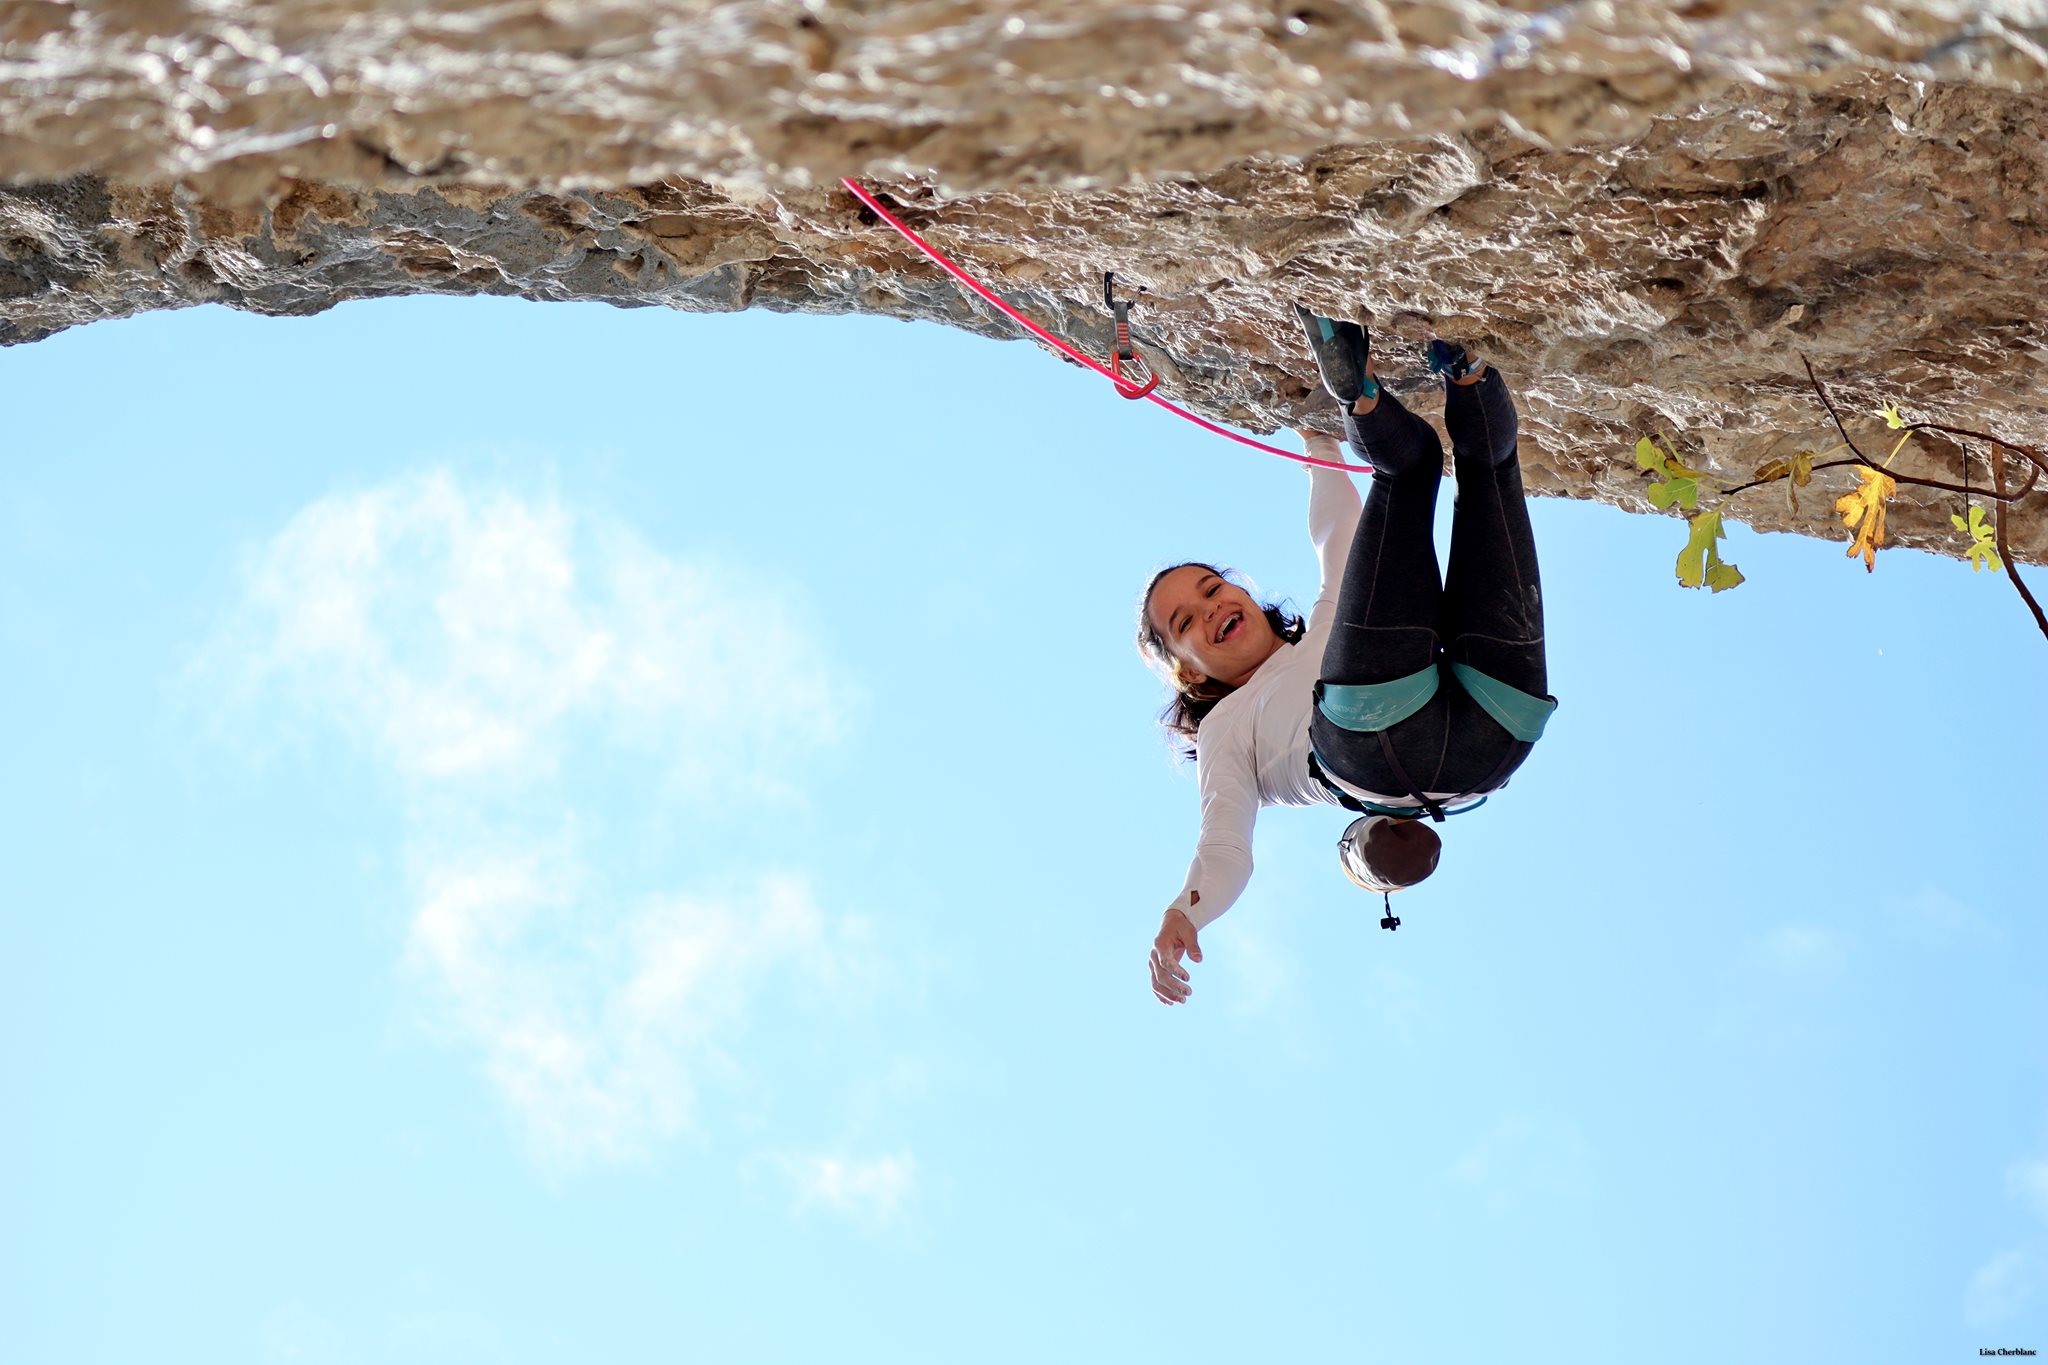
x=1192, y=702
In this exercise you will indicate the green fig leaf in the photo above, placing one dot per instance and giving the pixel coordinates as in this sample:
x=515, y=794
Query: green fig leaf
x=1983, y=551
x=1699, y=563
x=1680, y=484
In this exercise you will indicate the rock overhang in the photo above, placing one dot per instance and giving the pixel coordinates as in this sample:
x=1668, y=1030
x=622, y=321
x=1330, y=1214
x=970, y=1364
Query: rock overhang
x=1646, y=214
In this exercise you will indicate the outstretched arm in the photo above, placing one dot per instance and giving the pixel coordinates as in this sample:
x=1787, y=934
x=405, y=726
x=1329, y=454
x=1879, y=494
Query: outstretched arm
x=1221, y=867
x=1333, y=508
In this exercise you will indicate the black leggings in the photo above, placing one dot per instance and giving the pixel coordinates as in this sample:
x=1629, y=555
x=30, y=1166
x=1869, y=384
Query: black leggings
x=1396, y=615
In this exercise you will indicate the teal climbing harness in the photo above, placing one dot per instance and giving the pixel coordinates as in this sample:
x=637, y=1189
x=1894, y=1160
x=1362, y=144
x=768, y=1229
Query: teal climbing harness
x=1381, y=706
x=1376, y=708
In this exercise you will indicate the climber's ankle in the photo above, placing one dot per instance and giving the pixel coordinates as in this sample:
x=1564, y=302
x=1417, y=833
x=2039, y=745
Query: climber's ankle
x=1370, y=399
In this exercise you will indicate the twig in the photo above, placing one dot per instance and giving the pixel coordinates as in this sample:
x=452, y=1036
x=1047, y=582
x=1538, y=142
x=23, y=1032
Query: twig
x=1829, y=404
x=2012, y=570
x=2033, y=457
x=1902, y=478
x=2032, y=454
x=1759, y=483
x=2035, y=462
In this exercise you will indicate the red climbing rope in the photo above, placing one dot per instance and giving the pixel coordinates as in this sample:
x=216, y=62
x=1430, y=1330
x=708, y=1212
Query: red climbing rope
x=1122, y=384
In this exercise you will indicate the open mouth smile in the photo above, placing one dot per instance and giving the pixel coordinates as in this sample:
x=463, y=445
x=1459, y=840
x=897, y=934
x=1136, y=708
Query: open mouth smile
x=1230, y=626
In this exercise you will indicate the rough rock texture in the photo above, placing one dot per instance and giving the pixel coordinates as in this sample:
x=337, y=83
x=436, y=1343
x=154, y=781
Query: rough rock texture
x=1645, y=213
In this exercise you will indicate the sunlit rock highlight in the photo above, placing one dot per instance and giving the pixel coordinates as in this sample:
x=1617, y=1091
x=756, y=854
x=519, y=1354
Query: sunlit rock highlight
x=1645, y=213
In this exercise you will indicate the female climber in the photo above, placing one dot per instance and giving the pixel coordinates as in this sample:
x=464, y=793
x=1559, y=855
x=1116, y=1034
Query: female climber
x=1406, y=693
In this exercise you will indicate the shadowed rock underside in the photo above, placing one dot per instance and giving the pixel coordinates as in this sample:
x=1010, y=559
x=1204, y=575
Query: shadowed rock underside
x=1644, y=214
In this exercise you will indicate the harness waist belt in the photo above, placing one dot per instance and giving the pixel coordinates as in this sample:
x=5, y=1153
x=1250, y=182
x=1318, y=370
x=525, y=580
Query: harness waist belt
x=1520, y=714
x=1376, y=708
x=1364, y=807
x=1366, y=707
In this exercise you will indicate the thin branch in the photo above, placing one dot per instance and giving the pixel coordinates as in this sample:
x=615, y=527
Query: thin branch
x=1829, y=404
x=2012, y=570
x=2035, y=464
x=1753, y=483
x=1902, y=478
x=1967, y=504
x=2036, y=461
x=2039, y=460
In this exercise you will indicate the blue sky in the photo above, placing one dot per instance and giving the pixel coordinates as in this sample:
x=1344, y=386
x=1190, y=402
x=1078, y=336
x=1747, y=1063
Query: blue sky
x=551, y=832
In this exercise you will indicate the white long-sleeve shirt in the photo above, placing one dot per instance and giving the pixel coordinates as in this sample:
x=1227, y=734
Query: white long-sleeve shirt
x=1253, y=747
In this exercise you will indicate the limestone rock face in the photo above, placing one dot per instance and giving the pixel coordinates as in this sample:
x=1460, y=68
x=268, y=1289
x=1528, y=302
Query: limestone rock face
x=1644, y=213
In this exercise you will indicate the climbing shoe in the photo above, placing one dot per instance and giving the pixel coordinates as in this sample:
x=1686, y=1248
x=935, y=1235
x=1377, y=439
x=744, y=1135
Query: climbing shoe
x=1340, y=349
x=1451, y=360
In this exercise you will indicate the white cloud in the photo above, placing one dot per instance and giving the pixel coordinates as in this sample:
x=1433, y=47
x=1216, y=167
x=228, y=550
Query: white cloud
x=872, y=1192
x=1937, y=919
x=1781, y=982
x=293, y=1334
x=597, y=1027
x=2007, y=1284
x=464, y=633
x=1523, y=1155
x=2003, y=1287
x=1803, y=951
x=2028, y=1182
x=472, y=640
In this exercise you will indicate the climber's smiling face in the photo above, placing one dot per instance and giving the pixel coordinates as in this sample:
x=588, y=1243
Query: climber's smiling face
x=1211, y=626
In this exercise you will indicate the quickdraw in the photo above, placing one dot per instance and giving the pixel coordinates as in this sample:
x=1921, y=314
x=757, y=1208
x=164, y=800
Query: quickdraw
x=1120, y=309
x=989, y=296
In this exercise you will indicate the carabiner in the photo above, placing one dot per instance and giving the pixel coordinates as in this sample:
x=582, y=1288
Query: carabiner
x=1120, y=310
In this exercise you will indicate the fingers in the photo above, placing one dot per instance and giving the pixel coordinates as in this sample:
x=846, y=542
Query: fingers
x=1176, y=936
x=1170, y=980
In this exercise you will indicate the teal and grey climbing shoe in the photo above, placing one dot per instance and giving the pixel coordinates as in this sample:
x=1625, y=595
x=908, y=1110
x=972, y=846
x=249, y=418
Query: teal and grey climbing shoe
x=1451, y=360
x=1341, y=350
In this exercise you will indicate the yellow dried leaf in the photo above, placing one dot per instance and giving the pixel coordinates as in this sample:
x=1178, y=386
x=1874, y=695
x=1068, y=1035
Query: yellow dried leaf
x=1802, y=475
x=1863, y=511
x=1797, y=473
